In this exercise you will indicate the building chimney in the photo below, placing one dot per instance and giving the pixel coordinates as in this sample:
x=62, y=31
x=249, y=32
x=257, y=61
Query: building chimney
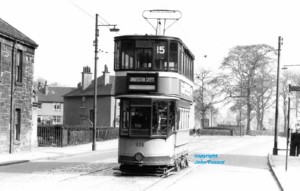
x=86, y=77
x=105, y=76
x=46, y=88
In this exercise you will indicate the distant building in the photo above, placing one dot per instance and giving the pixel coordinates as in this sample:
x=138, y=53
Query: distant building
x=16, y=89
x=79, y=111
x=51, y=104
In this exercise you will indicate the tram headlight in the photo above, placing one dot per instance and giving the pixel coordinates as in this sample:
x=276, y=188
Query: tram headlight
x=138, y=156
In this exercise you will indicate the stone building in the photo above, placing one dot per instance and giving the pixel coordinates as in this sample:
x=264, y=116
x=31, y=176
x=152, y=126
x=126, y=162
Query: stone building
x=78, y=104
x=16, y=89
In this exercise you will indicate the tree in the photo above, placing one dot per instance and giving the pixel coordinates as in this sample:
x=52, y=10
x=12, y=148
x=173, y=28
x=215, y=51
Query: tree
x=205, y=95
x=286, y=79
x=242, y=72
x=263, y=93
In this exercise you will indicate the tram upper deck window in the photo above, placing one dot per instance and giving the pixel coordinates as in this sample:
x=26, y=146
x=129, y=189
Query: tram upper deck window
x=173, y=59
x=160, y=61
x=127, y=54
x=144, y=58
x=117, y=56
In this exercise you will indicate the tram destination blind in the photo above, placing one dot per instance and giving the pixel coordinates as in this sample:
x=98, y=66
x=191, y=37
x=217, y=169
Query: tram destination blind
x=142, y=82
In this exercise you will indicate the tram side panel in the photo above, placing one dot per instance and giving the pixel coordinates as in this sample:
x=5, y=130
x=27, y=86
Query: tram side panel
x=182, y=135
x=153, y=151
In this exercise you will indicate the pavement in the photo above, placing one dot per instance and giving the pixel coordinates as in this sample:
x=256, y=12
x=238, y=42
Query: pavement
x=39, y=153
x=286, y=173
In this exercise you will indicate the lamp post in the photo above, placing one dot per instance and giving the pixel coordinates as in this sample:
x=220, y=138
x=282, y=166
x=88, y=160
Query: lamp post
x=275, y=149
x=114, y=29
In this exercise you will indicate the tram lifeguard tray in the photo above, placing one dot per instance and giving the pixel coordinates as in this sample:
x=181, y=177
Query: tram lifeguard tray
x=161, y=15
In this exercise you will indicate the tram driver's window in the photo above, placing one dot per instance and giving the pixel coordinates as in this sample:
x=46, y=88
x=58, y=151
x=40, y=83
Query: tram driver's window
x=140, y=118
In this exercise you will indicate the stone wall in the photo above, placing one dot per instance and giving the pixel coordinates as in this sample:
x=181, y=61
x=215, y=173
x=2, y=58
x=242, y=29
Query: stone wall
x=22, y=97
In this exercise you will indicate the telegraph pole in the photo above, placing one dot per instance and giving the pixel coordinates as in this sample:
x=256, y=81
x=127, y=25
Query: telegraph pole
x=95, y=84
x=275, y=149
x=114, y=29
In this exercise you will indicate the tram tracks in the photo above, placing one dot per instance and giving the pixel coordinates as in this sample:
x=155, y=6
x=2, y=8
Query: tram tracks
x=105, y=170
x=164, y=183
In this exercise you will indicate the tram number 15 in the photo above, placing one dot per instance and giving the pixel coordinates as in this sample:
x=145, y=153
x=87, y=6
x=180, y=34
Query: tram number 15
x=161, y=49
x=139, y=144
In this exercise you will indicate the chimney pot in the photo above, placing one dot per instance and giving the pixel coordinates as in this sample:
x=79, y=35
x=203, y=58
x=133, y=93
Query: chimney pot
x=105, y=75
x=86, y=77
x=46, y=88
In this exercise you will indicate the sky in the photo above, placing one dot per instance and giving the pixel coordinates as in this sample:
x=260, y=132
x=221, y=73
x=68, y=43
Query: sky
x=65, y=30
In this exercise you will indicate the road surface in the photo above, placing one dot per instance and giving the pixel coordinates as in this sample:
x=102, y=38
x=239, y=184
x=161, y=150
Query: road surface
x=216, y=163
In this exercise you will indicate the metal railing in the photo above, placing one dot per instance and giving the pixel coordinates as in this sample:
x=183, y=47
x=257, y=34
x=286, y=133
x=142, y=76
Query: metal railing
x=60, y=135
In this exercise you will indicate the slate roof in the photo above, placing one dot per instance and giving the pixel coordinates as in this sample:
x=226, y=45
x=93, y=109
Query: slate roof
x=10, y=32
x=55, y=94
x=107, y=90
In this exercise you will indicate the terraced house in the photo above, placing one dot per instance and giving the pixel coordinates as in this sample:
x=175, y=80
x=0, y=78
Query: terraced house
x=16, y=89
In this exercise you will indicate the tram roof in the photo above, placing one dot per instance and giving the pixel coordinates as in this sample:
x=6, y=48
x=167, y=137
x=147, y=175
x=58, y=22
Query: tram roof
x=151, y=37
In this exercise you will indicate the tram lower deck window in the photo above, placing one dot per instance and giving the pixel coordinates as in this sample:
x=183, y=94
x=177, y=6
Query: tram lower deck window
x=163, y=117
x=140, y=120
x=156, y=118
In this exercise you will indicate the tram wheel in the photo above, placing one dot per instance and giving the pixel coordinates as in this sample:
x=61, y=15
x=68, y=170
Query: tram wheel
x=186, y=162
x=182, y=163
x=177, y=166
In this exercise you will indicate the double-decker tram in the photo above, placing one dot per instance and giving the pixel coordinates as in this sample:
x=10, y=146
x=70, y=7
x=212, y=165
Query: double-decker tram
x=154, y=82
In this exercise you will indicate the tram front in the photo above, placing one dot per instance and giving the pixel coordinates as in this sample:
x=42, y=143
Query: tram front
x=154, y=85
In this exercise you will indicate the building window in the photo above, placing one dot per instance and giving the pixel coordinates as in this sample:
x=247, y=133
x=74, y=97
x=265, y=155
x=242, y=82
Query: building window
x=39, y=119
x=19, y=66
x=57, y=106
x=92, y=116
x=56, y=119
x=82, y=102
x=17, y=124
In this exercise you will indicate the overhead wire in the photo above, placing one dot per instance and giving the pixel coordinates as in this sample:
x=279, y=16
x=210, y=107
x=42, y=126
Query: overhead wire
x=93, y=17
x=81, y=9
x=90, y=15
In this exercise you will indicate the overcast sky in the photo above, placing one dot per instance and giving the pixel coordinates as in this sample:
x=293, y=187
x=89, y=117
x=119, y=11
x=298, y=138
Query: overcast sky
x=65, y=30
